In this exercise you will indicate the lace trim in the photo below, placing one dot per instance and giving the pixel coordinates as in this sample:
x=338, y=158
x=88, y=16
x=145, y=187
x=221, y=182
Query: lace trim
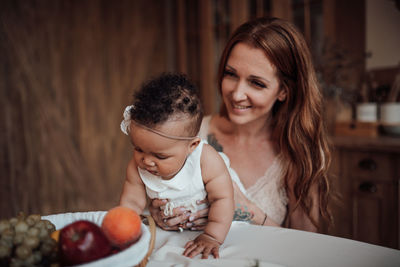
x=189, y=204
x=268, y=191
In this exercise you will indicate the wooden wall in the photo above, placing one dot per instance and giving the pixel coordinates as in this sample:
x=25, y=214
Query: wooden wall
x=68, y=69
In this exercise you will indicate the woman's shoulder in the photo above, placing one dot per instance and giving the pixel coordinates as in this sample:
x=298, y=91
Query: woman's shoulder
x=205, y=127
x=213, y=124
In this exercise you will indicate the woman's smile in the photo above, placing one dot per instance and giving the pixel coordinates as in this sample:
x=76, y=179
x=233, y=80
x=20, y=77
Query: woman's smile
x=235, y=106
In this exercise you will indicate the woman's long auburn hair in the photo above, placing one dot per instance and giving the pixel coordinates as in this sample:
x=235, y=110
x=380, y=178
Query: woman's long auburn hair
x=297, y=122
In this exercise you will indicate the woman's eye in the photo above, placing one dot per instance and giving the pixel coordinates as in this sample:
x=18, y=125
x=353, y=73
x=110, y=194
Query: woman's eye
x=229, y=73
x=258, y=84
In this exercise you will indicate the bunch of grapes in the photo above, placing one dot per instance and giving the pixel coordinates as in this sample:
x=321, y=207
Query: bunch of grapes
x=26, y=241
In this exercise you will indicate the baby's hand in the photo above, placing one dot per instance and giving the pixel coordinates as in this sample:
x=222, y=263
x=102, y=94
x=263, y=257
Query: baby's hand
x=204, y=244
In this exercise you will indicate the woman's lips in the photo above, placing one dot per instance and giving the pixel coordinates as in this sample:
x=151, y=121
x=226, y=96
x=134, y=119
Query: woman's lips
x=239, y=108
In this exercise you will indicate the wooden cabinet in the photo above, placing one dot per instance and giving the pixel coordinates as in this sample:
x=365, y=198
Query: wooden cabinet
x=366, y=173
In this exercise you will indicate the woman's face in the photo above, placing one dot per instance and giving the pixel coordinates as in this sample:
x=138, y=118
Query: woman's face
x=250, y=85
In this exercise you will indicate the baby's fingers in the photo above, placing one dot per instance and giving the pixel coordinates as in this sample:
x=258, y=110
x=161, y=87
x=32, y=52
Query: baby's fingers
x=189, y=247
x=206, y=252
x=188, y=244
x=215, y=252
x=193, y=250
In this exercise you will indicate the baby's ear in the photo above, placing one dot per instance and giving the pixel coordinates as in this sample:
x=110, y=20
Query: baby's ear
x=193, y=144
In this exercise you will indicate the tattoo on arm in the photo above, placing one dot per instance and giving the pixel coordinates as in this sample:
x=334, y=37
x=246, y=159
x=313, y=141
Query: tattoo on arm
x=212, y=141
x=242, y=214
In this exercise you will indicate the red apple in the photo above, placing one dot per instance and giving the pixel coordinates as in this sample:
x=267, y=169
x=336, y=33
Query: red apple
x=82, y=241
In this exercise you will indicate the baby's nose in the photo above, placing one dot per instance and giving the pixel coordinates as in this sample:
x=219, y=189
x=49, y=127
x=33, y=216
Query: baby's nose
x=148, y=162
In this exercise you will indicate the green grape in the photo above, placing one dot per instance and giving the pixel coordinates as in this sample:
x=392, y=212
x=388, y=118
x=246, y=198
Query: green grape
x=4, y=224
x=37, y=256
x=43, y=233
x=8, y=235
x=32, y=219
x=49, y=226
x=47, y=246
x=21, y=227
x=16, y=262
x=25, y=241
x=19, y=238
x=13, y=221
x=5, y=251
x=6, y=242
x=31, y=241
x=40, y=224
x=30, y=261
x=33, y=231
x=23, y=252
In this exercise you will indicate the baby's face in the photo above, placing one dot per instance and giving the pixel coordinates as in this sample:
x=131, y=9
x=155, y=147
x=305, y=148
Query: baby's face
x=157, y=154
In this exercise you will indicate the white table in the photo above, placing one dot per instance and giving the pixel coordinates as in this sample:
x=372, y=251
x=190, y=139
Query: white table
x=273, y=246
x=247, y=245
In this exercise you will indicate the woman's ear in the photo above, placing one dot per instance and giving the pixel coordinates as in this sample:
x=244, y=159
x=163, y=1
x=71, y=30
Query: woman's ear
x=193, y=144
x=282, y=94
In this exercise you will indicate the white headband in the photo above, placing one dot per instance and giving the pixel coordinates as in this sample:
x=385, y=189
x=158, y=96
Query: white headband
x=126, y=122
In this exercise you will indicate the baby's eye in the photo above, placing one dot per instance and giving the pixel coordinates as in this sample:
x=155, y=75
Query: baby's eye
x=161, y=157
x=258, y=83
x=137, y=149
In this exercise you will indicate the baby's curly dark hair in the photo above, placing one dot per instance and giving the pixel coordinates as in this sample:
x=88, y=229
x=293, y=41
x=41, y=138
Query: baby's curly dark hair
x=168, y=96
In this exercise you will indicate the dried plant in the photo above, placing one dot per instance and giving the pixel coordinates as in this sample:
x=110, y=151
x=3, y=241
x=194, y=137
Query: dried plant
x=341, y=72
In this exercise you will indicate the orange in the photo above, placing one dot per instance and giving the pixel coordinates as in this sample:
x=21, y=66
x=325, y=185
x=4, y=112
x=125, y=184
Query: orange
x=122, y=226
x=55, y=235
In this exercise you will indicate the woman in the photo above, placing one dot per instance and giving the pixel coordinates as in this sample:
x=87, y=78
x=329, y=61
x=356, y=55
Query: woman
x=271, y=128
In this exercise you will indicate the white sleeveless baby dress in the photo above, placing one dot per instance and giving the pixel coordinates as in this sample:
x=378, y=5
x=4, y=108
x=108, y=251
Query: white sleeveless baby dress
x=184, y=189
x=268, y=192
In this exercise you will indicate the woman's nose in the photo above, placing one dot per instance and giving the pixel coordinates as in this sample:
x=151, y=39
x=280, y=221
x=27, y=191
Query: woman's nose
x=239, y=92
x=148, y=161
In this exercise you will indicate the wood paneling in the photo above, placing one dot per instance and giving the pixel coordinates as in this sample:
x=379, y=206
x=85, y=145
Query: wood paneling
x=239, y=13
x=282, y=9
x=206, y=51
x=68, y=69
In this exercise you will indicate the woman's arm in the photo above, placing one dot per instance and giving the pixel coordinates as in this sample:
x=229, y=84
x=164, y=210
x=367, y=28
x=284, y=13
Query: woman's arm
x=245, y=210
x=298, y=218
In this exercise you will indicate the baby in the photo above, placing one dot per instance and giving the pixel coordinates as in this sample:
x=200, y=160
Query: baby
x=171, y=162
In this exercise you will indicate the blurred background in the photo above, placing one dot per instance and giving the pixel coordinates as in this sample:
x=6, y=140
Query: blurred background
x=69, y=68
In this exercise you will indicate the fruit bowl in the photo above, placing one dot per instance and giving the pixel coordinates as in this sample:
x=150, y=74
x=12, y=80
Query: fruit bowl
x=130, y=256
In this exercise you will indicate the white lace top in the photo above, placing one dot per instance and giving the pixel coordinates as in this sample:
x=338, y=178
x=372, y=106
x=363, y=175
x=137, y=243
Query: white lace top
x=268, y=191
x=184, y=189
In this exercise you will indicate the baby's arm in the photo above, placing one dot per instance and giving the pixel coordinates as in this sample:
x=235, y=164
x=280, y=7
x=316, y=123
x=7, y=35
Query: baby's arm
x=219, y=189
x=134, y=192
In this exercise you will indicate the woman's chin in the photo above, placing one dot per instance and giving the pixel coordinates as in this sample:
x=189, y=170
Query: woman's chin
x=238, y=118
